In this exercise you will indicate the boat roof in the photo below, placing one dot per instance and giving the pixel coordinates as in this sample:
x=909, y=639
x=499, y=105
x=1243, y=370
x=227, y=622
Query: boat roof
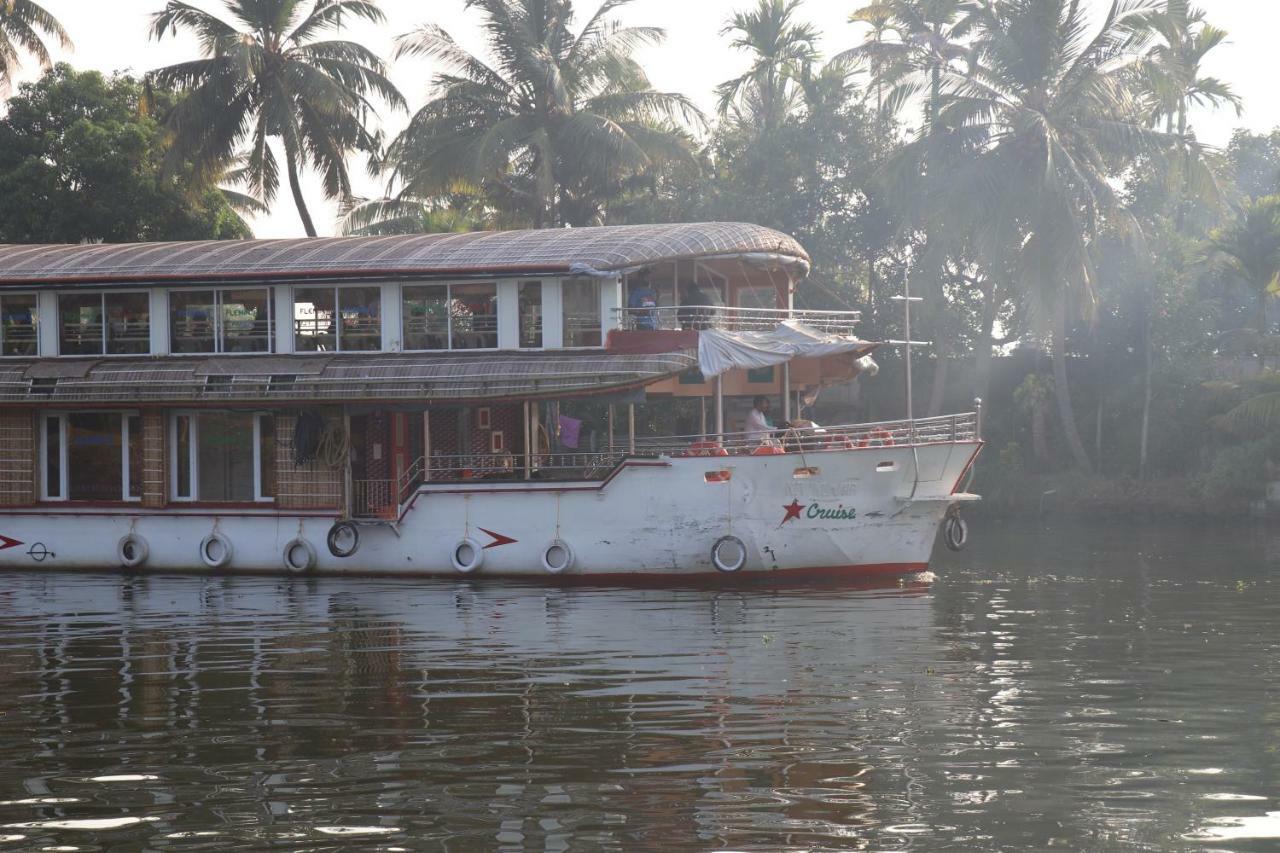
x=562, y=251
x=412, y=378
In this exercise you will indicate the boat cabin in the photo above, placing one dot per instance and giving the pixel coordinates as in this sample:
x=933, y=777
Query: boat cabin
x=336, y=375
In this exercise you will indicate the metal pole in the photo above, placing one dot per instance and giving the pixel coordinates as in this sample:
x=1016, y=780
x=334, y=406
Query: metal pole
x=631, y=427
x=977, y=408
x=702, y=411
x=786, y=392
x=611, y=427
x=906, y=293
x=719, y=407
x=530, y=438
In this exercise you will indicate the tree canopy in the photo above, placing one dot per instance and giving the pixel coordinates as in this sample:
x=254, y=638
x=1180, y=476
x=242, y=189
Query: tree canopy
x=81, y=160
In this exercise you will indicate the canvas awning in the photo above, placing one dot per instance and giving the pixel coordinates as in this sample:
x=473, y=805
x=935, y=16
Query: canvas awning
x=719, y=351
x=424, y=378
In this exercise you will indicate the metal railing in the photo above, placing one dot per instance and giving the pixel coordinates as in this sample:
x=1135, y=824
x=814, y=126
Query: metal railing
x=697, y=317
x=946, y=428
x=385, y=499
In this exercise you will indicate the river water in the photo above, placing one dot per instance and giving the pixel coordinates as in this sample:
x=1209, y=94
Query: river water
x=1078, y=688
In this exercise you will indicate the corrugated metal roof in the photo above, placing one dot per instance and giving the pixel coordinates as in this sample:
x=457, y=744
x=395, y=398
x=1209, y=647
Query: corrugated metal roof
x=406, y=377
x=547, y=251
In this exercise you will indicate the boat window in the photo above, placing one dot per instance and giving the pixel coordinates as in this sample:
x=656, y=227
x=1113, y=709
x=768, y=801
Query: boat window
x=530, y=314
x=18, y=324
x=223, y=457
x=104, y=323
x=580, y=301
x=92, y=456
x=214, y=321
x=451, y=316
x=337, y=319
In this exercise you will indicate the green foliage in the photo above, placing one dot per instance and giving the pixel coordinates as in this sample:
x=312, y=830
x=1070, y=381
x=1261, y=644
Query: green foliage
x=1237, y=474
x=81, y=161
x=275, y=80
x=561, y=121
x=21, y=24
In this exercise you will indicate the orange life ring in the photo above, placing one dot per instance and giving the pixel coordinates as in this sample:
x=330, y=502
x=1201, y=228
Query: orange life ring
x=882, y=436
x=705, y=448
x=768, y=450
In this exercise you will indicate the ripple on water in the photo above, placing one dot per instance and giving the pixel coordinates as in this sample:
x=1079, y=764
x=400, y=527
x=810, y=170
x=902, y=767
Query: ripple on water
x=1239, y=828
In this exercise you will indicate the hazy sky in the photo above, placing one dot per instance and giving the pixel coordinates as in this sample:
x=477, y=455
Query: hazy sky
x=112, y=35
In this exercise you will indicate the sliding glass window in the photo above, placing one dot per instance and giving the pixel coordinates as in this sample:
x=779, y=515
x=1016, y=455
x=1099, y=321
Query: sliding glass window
x=91, y=456
x=104, y=323
x=18, y=324
x=580, y=305
x=220, y=321
x=222, y=457
x=337, y=319
x=451, y=316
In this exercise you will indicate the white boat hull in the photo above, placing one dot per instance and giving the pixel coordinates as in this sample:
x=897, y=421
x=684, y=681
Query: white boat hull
x=855, y=512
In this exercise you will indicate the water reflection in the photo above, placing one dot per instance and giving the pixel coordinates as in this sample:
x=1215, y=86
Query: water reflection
x=1070, y=688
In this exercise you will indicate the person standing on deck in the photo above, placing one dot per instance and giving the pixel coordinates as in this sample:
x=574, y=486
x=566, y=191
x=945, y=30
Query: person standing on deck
x=758, y=427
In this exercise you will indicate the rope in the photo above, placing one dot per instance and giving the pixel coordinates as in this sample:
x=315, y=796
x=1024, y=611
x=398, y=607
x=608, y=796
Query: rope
x=332, y=449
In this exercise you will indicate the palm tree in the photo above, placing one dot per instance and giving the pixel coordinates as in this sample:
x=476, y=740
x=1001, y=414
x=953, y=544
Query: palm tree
x=1179, y=39
x=764, y=94
x=1031, y=137
x=21, y=24
x=930, y=41
x=274, y=80
x=556, y=125
x=1249, y=247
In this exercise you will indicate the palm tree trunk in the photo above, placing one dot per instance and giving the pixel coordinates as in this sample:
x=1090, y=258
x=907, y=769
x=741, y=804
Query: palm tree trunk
x=296, y=188
x=1065, y=412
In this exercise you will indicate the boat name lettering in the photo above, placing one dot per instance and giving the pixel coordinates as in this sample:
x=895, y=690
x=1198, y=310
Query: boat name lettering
x=839, y=513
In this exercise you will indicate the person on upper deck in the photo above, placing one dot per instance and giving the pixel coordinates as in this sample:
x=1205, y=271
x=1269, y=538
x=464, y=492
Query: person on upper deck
x=758, y=427
x=643, y=296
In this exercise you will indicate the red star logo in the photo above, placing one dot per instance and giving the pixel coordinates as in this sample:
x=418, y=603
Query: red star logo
x=793, y=511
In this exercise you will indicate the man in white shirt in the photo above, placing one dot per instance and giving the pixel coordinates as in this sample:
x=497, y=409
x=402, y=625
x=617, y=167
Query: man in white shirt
x=758, y=427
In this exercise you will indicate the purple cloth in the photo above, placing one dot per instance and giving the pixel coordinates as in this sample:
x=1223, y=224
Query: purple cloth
x=570, y=430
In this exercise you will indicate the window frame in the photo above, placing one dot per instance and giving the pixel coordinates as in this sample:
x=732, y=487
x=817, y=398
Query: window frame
x=219, y=326
x=193, y=462
x=337, y=320
x=564, y=316
x=35, y=321
x=64, y=450
x=448, y=301
x=102, y=297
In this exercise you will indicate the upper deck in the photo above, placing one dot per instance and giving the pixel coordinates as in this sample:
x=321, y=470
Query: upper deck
x=563, y=289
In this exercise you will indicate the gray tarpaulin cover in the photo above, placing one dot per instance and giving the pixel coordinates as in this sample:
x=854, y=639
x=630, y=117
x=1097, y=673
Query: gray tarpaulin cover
x=720, y=351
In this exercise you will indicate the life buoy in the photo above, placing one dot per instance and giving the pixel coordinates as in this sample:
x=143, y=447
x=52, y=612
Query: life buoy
x=729, y=554
x=881, y=436
x=558, y=557
x=768, y=450
x=705, y=448
x=343, y=539
x=955, y=532
x=132, y=550
x=299, y=556
x=467, y=556
x=216, y=550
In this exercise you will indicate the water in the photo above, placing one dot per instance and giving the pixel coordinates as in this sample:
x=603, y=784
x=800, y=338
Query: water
x=1085, y=688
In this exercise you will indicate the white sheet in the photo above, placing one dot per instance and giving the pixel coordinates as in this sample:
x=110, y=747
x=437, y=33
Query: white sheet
x=720, y=351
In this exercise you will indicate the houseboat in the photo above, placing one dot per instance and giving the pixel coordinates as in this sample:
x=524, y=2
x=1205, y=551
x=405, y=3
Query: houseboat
x=452, y=404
